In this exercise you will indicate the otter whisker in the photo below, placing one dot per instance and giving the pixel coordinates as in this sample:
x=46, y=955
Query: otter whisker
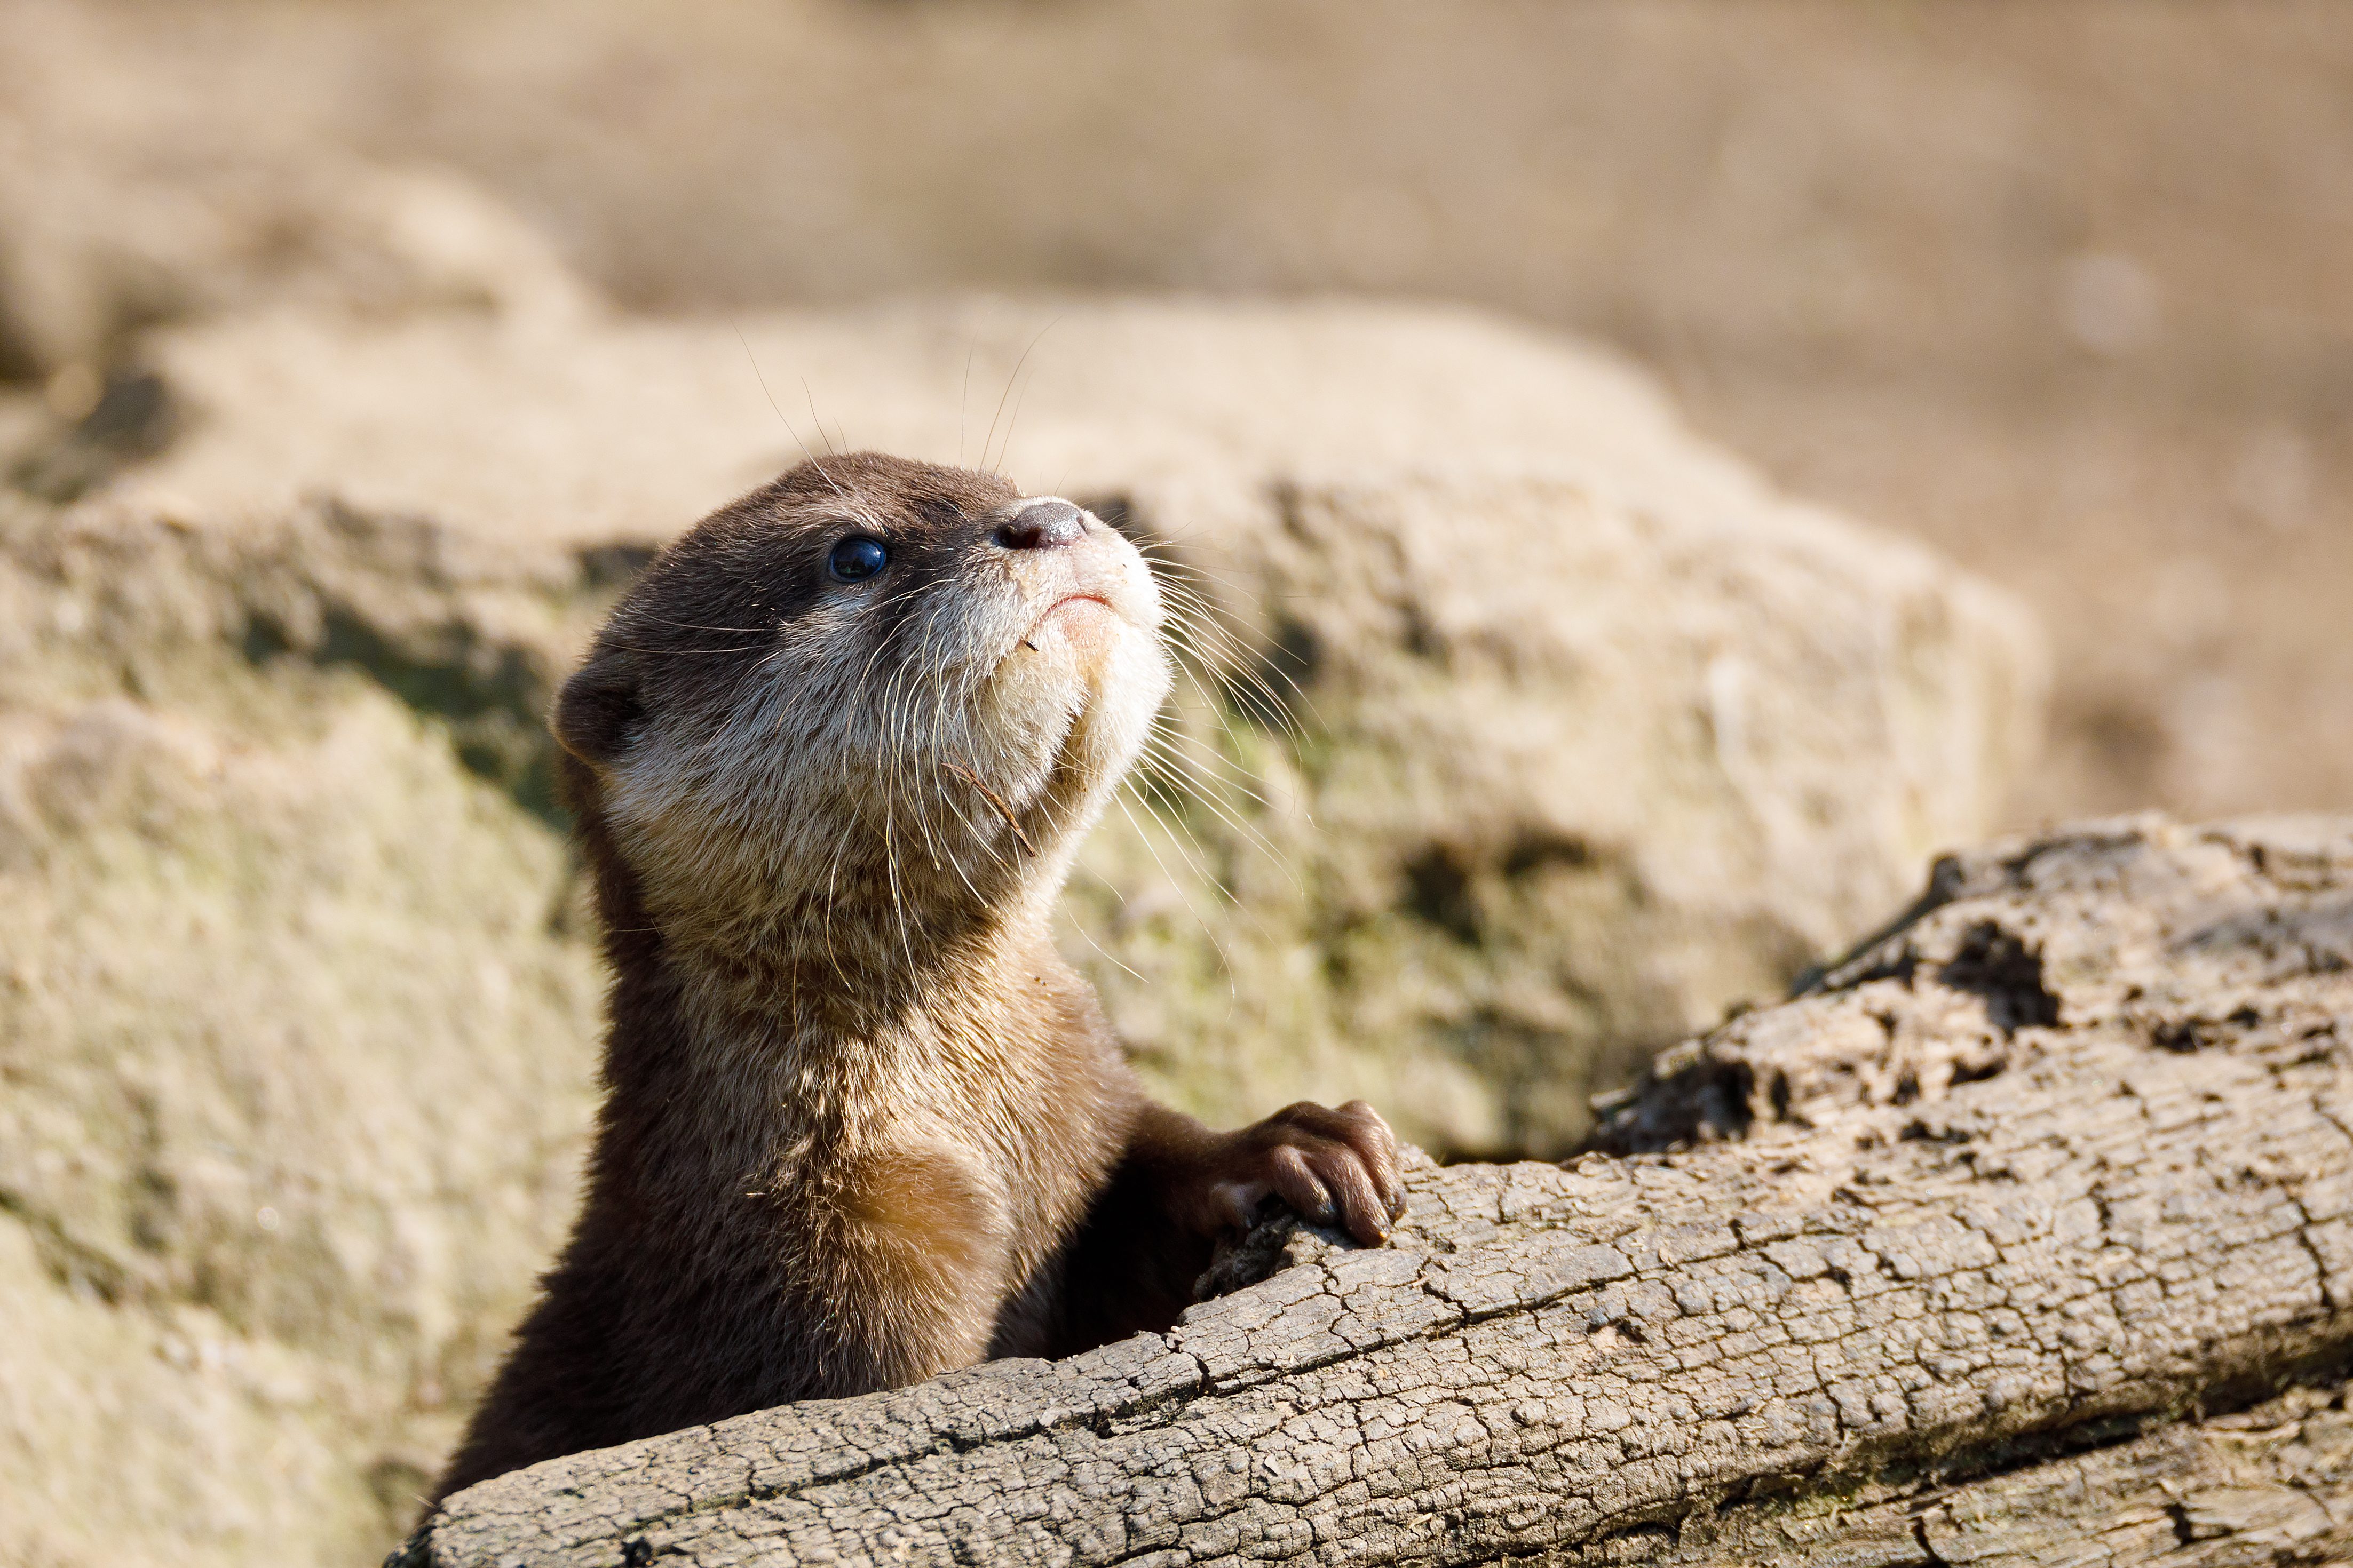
x=698, y=627
x=1088, y=937
x=787, y=424
x=1230, y=769
x=1187, y=771
x=832, y=907
x=1161, y=555
x=1016, y=376
x=963, y=399
x=1174, y=570
x=1239, y=670
x=818, y=419
x=971, y=836
x=1221, y=715
x=1249, y=831
x=1173, y=723
x=1224, y=961
x=1197, y=626
x=890, y=851
x=1194, y=615
x=1178, y=577
x=927, y=656
x=843, y=838
x=1013, y=424
x=1238, y=907
x=898, y=698
x=687, y=652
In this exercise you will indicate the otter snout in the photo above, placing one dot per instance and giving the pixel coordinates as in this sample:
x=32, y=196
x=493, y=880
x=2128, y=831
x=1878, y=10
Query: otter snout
x=1068, y=565
x=1082, y=669
x=1051, y=523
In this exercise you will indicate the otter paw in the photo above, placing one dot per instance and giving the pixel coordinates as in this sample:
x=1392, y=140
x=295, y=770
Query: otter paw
x=1336, y=1167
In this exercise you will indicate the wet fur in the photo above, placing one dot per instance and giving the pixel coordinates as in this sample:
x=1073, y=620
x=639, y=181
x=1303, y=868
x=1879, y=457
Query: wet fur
x=862, y=1125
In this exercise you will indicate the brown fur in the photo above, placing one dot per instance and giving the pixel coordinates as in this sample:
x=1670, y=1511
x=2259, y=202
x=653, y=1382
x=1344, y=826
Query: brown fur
x=862, y=1125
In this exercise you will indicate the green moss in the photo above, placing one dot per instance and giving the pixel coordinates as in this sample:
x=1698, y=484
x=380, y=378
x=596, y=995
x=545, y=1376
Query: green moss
x=490, y=699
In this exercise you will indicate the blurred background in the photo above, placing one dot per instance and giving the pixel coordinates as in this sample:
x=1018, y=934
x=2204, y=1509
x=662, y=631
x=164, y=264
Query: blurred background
x=1881, y=424
x=2060, y=287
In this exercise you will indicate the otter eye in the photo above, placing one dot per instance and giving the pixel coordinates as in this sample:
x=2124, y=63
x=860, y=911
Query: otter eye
x=856, y=557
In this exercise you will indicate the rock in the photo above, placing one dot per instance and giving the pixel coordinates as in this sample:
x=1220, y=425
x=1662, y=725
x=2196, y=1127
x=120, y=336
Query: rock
x=296, y=1033
x=1524, y=733
x=1528, y=731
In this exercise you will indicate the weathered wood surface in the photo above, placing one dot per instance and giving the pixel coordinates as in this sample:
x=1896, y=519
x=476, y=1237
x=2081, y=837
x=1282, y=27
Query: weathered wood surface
x=1913, y=1268
x=2266, y=1486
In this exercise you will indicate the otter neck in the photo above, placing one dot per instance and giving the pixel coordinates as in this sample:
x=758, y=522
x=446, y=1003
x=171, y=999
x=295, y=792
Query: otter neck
x=850, y=968
x=849, y=987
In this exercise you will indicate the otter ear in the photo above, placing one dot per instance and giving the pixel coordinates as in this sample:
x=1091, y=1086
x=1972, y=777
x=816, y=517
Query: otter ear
x=596, y=715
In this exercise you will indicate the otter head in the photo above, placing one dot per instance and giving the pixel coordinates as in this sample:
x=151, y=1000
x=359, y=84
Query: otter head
x=874, y=702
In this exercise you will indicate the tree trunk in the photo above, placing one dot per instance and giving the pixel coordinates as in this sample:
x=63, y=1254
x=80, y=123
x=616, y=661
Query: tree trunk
x=1949, y=1259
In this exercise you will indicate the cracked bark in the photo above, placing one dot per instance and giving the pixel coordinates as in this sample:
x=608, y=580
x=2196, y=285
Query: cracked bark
x=1954, y=1258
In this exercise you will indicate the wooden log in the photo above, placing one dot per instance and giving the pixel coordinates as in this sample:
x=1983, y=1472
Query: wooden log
x=1949, y=1259
x=2267, y=1485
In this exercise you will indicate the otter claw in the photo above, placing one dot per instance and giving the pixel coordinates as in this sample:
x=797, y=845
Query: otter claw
x=1333, y=1167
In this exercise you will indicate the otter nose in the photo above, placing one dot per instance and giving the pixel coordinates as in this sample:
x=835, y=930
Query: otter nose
x=1043, y=525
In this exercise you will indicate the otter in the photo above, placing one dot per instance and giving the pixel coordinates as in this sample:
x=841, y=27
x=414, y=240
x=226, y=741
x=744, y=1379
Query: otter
x=829, y=760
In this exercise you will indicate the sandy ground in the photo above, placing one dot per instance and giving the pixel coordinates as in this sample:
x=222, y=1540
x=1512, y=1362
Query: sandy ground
x=2059, y=285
